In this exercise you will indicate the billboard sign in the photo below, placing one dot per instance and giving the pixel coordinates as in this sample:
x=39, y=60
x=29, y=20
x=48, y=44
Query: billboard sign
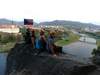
x=28, y=21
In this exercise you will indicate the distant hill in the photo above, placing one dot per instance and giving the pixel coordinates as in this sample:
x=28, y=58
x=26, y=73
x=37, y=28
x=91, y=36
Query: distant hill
x=9, y=22
x=72, y=24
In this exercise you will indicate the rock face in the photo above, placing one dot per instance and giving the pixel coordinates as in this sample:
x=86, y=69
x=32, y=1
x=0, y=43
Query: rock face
x=83, y=70
x=22, y=61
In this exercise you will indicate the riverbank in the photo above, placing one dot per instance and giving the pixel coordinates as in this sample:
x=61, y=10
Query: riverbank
x=68, y=40
x=5, y=48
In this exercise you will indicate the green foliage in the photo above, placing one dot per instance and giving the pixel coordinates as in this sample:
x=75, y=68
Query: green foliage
x=6, y=47
x=98, y=34
x=5, y=38
x=98, y=42
x=95, y=35
x=0, y=37
x=23, y=31
x=7, y=41
x=96, y=51
x=71, y=37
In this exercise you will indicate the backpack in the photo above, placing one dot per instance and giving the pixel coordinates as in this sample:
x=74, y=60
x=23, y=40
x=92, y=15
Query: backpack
x=38, y=45
x=42, y=43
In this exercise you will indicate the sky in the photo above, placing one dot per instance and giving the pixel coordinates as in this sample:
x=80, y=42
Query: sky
x=47, y=10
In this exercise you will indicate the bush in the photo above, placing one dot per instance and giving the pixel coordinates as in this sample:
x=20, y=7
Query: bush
x=96, y=51
x=7, y=37
x=0, y=37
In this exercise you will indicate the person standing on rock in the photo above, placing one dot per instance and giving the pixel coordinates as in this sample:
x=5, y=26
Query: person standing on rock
x=42, y=42
x=33, y=38
x=27, y=37
x=51, y=46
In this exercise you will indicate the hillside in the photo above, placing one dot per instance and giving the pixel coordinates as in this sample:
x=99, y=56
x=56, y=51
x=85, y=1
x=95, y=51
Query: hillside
x=71, y=24
x=8, y=22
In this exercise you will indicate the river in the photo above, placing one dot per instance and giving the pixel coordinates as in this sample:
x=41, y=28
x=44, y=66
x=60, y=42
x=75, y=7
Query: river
x=3, y=57
x=81, y=50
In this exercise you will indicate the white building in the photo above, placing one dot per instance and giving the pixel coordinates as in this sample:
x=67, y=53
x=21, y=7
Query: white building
x=9, y=28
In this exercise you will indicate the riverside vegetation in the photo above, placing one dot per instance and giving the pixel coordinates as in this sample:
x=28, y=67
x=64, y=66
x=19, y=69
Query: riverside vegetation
x=96, y=51
x=22, y=60
x=8, y=40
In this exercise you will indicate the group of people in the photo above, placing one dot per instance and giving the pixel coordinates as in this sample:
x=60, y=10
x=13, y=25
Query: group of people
x=41, y=43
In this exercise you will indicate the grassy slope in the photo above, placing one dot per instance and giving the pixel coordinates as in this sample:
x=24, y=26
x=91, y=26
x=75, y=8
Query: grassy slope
x=98, y=42
x=72, y=38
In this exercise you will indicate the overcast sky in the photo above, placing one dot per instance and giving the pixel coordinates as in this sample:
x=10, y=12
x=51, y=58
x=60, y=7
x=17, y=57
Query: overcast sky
x=48, y=10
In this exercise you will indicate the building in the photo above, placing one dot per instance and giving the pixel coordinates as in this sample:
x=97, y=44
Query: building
x=91, y=29
x=9, y=28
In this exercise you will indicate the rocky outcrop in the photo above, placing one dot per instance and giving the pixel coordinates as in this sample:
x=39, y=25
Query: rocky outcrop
x=96, y=59
x=22, y=60
x=83, y=70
